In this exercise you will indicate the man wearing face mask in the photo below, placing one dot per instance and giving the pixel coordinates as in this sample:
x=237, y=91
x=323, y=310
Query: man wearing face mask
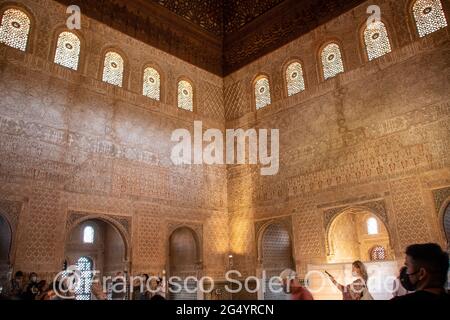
x=32, y=288
x=398, y=290
x=425, y=273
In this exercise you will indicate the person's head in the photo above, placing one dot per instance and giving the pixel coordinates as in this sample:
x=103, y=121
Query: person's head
x=33, y=277
x=359, y=270
x=18, y=276
x=426, y=267
x=153, y=283
x=288, y=277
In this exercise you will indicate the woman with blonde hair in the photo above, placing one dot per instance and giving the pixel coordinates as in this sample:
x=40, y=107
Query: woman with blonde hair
x=97, y=292
x=357, y=290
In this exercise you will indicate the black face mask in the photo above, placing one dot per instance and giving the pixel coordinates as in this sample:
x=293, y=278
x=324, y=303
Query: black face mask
x=405, y=280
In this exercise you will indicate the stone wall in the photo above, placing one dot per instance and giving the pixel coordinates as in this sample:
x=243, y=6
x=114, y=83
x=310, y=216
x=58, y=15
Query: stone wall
x=73, y=147
x=375, y=137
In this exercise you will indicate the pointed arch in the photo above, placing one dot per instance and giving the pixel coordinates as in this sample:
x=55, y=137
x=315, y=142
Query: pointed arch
x=6, y=242
x=368, y=212
x=111, y=220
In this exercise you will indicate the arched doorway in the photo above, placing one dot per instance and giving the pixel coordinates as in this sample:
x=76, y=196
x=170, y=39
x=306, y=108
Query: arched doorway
x=358, y=235
x=447, y=226
x=5, y=249
x=183, y=262
x=447, y=231
x=354, y=234
x=276, y=256
x=95, y=245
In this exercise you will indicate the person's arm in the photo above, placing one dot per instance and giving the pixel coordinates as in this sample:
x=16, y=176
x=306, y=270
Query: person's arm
x=338, y=285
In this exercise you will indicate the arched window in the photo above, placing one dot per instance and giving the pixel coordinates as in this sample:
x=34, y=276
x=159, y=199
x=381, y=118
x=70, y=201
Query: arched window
x=84, y=284
x=88, y=234
x=113, y=69
x=152, y=84
x=378, y=253
x=262, y=93
x=376, y=40
x=185, y=96
x=429, y=16
x=15, y=29
x=332, y=63
x=372, y=226
x=294, y=78
x=68, y=50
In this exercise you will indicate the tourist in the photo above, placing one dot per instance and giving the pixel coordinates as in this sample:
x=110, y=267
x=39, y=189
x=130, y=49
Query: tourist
x=358, y=289
x=426, y=273
x=138, y=287
x=119, y=287
x=145, y=293
x=97, y=292
x=156, y=289
x=31, y=289
x=292, y=286
x=52, y=292
x=16, y=286
x=398, y=289
x=41, y=286
x=160, y=292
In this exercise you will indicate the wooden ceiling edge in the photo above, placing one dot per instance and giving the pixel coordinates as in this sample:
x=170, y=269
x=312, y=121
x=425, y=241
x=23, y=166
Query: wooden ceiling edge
x=217, y=46
x=200, y=36
x=229, y=70
x=180, y=21
x=241, y=28
x=250, y=27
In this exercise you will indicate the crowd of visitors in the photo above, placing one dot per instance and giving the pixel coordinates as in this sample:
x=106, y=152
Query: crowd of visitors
x=424, y=276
